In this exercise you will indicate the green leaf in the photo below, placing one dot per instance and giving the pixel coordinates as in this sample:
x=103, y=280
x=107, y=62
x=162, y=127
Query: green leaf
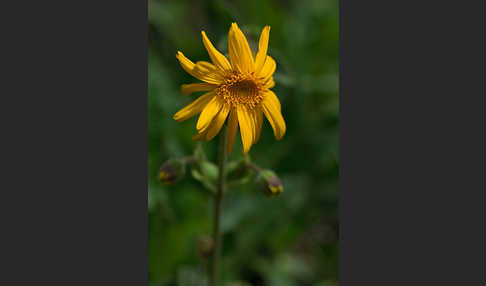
x=210, y=171
x=204, y=180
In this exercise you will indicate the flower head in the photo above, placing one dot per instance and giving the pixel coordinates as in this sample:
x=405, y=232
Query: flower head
x=171, y=171
x=238, y=90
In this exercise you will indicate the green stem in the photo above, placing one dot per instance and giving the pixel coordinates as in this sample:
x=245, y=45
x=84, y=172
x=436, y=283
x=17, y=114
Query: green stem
x=218, y=198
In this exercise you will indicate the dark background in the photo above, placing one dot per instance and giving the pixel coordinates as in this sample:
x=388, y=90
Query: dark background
x=287, y=240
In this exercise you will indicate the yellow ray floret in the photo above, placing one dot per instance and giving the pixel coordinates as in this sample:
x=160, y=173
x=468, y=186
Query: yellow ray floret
x=238, y=91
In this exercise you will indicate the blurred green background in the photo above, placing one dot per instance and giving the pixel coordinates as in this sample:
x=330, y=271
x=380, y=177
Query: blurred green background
x=287, y=240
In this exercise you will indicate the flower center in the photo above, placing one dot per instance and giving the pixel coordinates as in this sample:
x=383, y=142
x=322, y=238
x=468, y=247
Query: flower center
x=241, y=89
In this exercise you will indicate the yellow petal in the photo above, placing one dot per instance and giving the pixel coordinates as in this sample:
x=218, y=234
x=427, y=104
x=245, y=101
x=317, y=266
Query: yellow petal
x=208, y=113
x=274, y=116
x=194, y=107
x=258, y=123
x=254, y=122
x=201, y=70
x=218, y=59
x=205, y=67
x=272, y=97
x=231, y=131
x=270, y=83
x=268, y=68
x=208, y=72
x=195, y=87
x=262, y=49
x=245, y=121
x=240, y=54
x=186, y=63
x=218, y=122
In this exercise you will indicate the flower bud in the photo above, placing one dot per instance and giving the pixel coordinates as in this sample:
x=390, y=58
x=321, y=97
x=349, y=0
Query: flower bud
x=272, y=186
x=171, y=171
x=205, y=246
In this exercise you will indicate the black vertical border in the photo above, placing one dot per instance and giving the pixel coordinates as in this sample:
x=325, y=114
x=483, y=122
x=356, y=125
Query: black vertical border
x=411, y=153
x=74, y=143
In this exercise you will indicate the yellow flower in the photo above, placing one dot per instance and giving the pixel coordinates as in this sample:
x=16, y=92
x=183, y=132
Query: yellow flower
x=238, y=89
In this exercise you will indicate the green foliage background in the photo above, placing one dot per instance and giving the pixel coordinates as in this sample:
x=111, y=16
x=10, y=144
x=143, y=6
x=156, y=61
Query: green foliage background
x=282, y=241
